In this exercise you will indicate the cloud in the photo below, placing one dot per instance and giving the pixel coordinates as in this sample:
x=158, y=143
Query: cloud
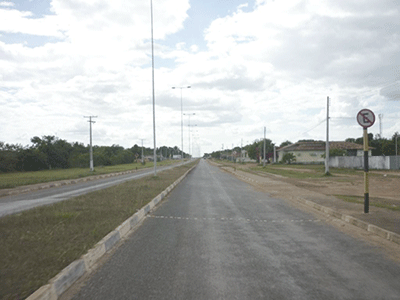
x=313, y=39
x=6, y=4
x=272, y=64
x=392, y=91
x=98, y=67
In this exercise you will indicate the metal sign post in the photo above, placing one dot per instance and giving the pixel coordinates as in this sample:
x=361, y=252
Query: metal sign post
x=366, y=118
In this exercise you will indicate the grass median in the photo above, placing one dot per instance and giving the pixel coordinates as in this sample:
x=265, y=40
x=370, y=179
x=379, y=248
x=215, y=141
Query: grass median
x=37, y=244
x=15, y=179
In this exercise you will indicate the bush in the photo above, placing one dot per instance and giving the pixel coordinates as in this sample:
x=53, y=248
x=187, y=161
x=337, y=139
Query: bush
x=288, y=158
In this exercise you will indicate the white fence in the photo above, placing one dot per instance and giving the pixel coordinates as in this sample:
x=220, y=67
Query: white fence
x=357, y=162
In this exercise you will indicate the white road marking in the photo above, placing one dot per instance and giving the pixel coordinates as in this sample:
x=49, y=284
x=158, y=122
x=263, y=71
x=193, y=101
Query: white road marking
x=235, y=220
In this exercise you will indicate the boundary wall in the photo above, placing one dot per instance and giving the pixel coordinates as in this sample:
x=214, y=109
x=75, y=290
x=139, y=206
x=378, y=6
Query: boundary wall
x=357, y=162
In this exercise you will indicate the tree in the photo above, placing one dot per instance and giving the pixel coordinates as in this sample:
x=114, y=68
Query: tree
x=256, y=150
x=360, y=140
x=288, y=158
x=286, y=143
x=350, y=140
x=9, y=157
x=32, y=160
x=56, y=151
x=216, y=155
x=388, y=147
x=335, y=152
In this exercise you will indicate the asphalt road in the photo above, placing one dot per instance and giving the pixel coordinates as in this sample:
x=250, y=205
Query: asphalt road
x=216, y=237
x=21, y=202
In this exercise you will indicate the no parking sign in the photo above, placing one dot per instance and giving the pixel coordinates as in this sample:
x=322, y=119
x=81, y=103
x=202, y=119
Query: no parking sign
x=366, y=118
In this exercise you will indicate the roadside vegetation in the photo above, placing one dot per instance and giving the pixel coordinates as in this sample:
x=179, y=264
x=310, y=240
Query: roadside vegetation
x=373, y=201
x=50, y=152
x=315, y=171
x=15, y=179
x=37, y=244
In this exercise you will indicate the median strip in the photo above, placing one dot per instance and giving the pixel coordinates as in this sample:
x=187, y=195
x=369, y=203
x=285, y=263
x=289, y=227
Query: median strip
x=78, y=268
x=39, y=243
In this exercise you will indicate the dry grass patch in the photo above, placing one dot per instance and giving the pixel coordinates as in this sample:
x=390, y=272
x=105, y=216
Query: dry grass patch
x=12, y=180
x=373, y=201
x=37, y=244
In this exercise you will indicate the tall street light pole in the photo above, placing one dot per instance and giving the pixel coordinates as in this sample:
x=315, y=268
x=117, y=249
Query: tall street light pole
x=154, y=99
x=192, y=142
x=181, y=87
x=190, y=133
x=195, y=136
x=189, y=115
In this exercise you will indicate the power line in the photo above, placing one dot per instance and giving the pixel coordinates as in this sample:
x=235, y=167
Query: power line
x=314, y=126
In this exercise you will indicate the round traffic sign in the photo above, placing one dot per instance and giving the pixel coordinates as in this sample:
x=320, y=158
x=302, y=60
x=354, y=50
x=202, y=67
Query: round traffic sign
x=365, y=118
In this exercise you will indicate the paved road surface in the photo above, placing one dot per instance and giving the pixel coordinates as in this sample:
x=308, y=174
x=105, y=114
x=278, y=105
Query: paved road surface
x=215, y=237
x=17, y=203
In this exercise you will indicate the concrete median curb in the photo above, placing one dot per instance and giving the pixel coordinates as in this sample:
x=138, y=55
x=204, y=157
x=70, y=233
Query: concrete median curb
x=383, y=233
x=68, y=276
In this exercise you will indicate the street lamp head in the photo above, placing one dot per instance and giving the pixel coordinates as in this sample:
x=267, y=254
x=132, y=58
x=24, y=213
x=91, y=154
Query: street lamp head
x=181, y=87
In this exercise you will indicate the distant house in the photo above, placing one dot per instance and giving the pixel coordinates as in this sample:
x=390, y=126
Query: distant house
x=244, y=157
x=313, y=152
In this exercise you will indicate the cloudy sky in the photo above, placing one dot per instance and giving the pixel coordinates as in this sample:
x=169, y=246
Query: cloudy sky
x=250, y=64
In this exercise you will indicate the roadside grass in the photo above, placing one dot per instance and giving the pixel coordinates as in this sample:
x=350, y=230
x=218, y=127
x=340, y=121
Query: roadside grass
x=293, y=171
x=37, y=244
x=317, y=171
x=15, y=179
x=373, y=201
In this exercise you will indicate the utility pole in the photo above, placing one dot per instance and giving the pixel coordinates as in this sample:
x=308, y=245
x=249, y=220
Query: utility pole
x=241, y=154
x=154, y=99
x=264, y=146
x=327, y=138
x=91, y=149
x=142, y=151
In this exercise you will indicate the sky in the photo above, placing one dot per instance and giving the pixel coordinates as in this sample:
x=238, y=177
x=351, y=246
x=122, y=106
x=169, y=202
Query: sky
x=250, y=64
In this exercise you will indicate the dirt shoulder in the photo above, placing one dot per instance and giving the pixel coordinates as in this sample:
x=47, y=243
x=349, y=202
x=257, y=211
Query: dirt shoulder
x=384, y=190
